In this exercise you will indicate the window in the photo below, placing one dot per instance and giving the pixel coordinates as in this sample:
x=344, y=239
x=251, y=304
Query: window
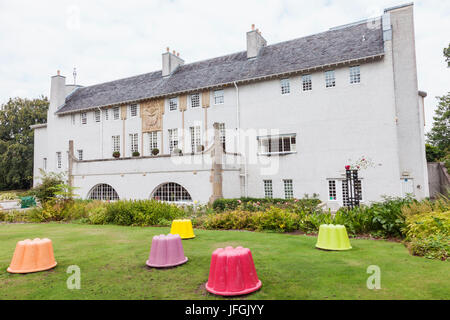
x=134, y=146
x=222, y=135
x=97, y=115
x=173, y=139
x=172, y=192
x=195, y=100
x=346, y=193
x=330, y=80
x=116, y=113
x=103, y=192
x=196, y=139
x=332, y=195
x=106, y=114
x=80, y=155
x=307, y=82
x=115, y=144
x=58, y=160
x=44, y=164
x=73, y=119
x=268, y=192
x=173, y=104
x=288, y=189
x=133, y=111
x=83, y=118
x=355, y=74
x=153, y=140
x=277, y=144
x=219, y=97
x=285, y=86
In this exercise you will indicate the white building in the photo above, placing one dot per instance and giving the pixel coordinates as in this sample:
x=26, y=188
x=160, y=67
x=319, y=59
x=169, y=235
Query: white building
x=324, y=101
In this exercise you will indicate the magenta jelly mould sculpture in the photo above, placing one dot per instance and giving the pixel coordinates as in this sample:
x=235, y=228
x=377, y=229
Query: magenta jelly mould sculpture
x=167, y=251
x=232, y=272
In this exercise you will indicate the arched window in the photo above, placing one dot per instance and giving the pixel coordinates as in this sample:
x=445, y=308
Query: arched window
x=172, y=192
x=103, y=192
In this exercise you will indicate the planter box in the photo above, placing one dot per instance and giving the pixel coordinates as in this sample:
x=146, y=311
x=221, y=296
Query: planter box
x=10, y=204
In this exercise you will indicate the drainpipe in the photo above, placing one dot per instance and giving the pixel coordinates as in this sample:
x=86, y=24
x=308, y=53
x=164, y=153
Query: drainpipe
x=101, y=139
x=238, y=128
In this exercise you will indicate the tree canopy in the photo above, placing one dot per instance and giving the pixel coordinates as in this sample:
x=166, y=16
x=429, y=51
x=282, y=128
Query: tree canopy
x=17, y=140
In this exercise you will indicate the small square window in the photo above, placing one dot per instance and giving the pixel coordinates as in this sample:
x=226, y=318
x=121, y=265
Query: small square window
x=173, y=104
x=97, y=115
x=330, y=79
x=116, y=113
x=58, y=160
x=307, y=82
x=288, y=189
x=84, y=118
x=355, y=74
x=80, y=155
x=133, y=111
x=219, y=97
x=285, y=86
x=195, y=100
x=332, y=195
x=268, y=192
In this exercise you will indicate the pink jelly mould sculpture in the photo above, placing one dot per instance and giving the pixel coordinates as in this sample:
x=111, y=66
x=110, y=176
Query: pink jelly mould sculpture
x=167, y=251
x=232, y=272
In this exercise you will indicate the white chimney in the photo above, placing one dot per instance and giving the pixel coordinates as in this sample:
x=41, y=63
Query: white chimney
x=170, y=62
x=255, y=42
x=57, y=92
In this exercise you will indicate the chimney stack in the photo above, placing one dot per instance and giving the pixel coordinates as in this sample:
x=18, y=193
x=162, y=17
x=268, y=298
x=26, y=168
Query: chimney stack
x=255, y=42
x=170, y=62
x=57, y=93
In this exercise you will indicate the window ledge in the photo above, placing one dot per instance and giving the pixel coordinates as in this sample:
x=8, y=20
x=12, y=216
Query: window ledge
x=276, y=153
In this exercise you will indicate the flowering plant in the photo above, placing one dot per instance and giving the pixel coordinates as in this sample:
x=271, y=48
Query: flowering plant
x=362, y=163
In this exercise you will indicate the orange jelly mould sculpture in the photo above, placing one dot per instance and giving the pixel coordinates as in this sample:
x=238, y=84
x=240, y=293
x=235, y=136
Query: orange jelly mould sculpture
x=32, y=256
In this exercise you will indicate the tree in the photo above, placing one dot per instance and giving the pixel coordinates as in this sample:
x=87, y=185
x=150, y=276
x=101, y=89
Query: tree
x=17, y=140
x=439, y=136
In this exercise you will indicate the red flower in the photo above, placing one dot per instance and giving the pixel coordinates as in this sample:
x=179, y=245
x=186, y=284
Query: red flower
x=347, y=167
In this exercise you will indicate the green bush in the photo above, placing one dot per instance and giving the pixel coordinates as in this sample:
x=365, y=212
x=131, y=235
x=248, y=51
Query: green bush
x=431, y=247
x=49, y=187
x=263, y=204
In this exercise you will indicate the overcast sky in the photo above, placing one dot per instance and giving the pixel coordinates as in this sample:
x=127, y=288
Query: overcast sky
x=109, y=40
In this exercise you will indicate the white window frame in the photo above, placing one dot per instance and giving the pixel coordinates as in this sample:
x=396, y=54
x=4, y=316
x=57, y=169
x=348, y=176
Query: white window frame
x=97, y=116
x=268, y=189
x=106, y=114
x=222, y=135
x=355, y=74
x=330, y=79
x=332, y=190
x=196, y=137
x=80, y=154
x=59, y=159
x=288, y=188
x=219, y=97
x=268, y=145
x=134, y=142
x=173, y=139
x=197, y=100
x=173, y=104
x=307, y=82
x=285, y=86
x=115, y=143
x=153, y=141
x=133, y=109
x=83, y=118
x=116, y=113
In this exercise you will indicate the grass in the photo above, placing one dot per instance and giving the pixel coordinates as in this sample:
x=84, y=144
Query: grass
x=112, y=261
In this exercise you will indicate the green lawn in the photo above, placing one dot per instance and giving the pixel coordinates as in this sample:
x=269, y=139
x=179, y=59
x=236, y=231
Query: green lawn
x=112, y=261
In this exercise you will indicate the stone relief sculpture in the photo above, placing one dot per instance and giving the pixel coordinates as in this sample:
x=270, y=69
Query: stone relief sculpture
x=151, y=113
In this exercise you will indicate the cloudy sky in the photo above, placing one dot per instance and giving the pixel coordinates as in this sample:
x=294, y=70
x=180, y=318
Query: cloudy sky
x=108, y=40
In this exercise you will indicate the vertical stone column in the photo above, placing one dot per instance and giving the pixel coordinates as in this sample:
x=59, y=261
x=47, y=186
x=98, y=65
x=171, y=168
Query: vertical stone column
x=70, y=169
x=205, y=105
x=217, y=168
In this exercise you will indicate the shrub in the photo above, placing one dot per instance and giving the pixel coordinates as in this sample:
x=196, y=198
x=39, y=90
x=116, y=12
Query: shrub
x=116, y=154
x=431, y=247
x=263, y=204
x=155, y=151
x=8, y=196
x=51, y=184
x=136, y=154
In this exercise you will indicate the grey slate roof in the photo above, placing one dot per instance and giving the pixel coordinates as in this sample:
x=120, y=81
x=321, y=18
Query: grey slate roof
x=333, y=46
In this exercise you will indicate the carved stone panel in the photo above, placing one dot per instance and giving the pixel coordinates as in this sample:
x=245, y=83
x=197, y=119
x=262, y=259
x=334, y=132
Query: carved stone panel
x=152, y=112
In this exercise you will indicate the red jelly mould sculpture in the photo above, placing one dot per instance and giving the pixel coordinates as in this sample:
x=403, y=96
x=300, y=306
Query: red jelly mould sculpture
x=167, y=251
x=232, y=272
